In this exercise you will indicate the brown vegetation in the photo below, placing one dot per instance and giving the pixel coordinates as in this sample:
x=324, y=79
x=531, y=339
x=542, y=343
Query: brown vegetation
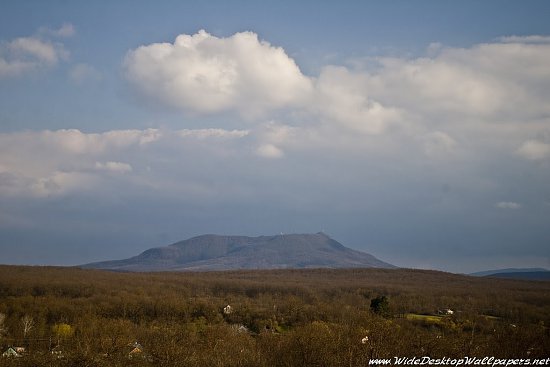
x=75, y=317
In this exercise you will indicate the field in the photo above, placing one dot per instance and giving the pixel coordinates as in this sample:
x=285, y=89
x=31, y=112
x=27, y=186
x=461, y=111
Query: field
x=426, y=318
x=74, y=317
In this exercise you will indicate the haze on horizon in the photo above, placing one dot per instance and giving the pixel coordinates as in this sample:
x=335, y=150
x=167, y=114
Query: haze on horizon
x=418, y=132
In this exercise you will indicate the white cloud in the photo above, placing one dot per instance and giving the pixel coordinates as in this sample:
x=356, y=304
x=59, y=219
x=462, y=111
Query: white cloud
x=343, y=97
x=76, y=142
x=117, y=167
x=508, y=205
x=44, y=163
x=525, y=39
x=431, y=87
x=534, y=150
x=68, y=161
x=59, y=183
x=494, y=88
x=269, y=151
x=33, y=47
x=400, y=111
x=27, y=54
x=273, y=138
x=212, y=133
x=494, y=83
x=206, y=74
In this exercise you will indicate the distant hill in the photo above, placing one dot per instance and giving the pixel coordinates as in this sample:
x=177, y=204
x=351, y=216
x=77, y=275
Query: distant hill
x=525, y=275
x=214, y=252
x=508, y=271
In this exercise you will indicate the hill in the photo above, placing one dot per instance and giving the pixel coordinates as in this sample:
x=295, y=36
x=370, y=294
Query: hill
x=214, y=252
x=508, y=271
x=525, y=275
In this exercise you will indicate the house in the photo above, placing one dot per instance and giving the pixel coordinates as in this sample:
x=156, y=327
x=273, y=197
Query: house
x=227, y=310
x=137, y=350
x=19, y=350
x=12, y=352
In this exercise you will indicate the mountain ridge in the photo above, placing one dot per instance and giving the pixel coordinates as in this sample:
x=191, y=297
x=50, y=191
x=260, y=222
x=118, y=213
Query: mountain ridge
x=218, y=252
x=523, y=275
x=507, y=271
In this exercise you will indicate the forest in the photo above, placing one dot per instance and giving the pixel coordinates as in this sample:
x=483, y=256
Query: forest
x=55, y=316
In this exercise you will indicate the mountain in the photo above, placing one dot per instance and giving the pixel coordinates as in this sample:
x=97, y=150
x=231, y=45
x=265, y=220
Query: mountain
x=508, y=271
x=524, y=275
x=213, y=252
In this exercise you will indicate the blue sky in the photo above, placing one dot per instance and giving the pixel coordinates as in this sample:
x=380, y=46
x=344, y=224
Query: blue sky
x=416, y=131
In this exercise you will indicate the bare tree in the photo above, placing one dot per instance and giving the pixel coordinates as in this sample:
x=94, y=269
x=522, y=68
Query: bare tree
x=28, y=324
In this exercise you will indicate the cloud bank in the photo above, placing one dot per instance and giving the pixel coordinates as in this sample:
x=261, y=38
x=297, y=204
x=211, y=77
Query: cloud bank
x=53, y=163
x=498, y=86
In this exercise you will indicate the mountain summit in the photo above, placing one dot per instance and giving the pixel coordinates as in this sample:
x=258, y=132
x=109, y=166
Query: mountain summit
x=213, y=252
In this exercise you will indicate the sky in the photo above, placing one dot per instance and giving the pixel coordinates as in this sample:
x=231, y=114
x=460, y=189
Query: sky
x=417, y=131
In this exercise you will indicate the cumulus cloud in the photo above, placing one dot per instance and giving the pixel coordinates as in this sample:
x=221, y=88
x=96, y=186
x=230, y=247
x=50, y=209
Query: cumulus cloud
x=488, y=82
x=508, y=205
x=493, y=89
x=488, y=97
x=490, y=88
x=26, y=54
x=456, y=92
x=34, y=48
x=534, y=150
x=343, y=96
x=206, y=74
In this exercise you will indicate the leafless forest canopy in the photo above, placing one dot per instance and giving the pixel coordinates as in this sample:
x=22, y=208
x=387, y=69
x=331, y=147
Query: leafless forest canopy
x=75, y=317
